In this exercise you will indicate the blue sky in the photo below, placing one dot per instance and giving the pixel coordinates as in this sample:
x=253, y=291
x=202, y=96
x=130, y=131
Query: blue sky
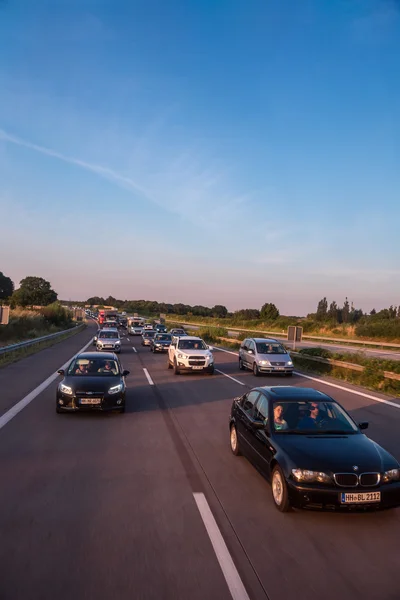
x=202, y=151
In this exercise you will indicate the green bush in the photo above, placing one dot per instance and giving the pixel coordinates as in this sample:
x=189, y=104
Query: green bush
x=55, y=314
x=388, y=329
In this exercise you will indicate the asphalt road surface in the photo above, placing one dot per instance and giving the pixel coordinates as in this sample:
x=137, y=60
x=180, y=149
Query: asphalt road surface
x=333, y=347
x=152, y=504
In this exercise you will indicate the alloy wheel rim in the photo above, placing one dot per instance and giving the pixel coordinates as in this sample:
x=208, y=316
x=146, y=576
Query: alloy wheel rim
x=277, y=488
x=233, y=438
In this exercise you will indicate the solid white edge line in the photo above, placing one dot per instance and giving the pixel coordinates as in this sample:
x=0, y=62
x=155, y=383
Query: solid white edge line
x=149, y=379
x=134, y=349
x=334, y=385
x=14, y=410
x=232, y=577
x=230, y=377
x=227, y=351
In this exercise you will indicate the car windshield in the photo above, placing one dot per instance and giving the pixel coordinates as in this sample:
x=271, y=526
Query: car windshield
x=93, y=366
x=191, y=345
x=268, y=348
x=164, y=337
x=108, y=334
x=149, y=333
x=311, y=417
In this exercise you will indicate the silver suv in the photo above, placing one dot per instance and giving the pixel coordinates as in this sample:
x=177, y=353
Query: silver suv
x=108, y=339
x=264, y=356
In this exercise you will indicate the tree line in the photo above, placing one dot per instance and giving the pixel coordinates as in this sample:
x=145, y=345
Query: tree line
x=32, y=291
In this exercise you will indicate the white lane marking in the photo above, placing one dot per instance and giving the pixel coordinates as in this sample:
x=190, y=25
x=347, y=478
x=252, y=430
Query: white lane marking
x=346, y=389
x=334, y=385
x=14, y=410
x=227, y=351
x=149, y=379
x=233, y=379
x=232, y=577
x=134, y=349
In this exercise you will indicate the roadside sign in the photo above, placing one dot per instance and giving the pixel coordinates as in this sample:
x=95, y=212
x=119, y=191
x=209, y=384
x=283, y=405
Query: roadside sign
x=294, y=334
x=4, y=315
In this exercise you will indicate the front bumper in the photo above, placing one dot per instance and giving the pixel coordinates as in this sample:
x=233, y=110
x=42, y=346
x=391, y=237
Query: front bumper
x=109, y=348
x=73, y=403
x=161, y=348
x=328, y=498
x=192, y=369
x=276, y=370
x=146, y=342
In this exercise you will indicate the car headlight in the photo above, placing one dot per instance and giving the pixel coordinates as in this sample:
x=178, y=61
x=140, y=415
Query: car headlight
x=305, y=476
x=182, y=356
x=115, y=389
x=289, y=363
x=264, y=362
x=392, y=475
x=158, y=345
x=65, y=389
x=117, y=343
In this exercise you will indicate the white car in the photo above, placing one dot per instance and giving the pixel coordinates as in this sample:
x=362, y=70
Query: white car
x=148, y=327
x=135, y=330
x=190, y=354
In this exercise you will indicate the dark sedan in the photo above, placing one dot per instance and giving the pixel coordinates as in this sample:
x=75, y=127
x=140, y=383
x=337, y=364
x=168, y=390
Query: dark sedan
x=314, y=454
x=93, y=381
x=160, y=342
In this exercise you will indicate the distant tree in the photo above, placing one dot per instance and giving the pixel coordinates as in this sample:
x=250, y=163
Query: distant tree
x=269, y=312
x=247, y=314
x=34, y=291
x=333, y=312
x=219, y=311
x=346, y=311
x=373, y=312
x=392, y=312
x=6, y=286
x=322, y=310
x=94, y=300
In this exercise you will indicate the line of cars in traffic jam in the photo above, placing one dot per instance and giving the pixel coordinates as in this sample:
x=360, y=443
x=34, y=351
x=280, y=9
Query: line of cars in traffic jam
x=310, y=449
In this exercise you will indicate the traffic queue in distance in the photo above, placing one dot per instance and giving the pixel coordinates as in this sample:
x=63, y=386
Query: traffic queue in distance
x=309, y=448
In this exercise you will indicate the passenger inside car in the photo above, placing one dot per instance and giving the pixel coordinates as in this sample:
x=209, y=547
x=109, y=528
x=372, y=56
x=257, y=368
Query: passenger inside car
x=108, y=367
x=279, y=422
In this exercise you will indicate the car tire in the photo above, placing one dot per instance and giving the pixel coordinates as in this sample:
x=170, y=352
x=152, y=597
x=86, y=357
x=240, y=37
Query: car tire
x=58, y=410
x=169, y=364
x=211, y=371
x=280, y=494
x=234, y=441
x=176, y=368
x=256, y=371
x=241, y=365
x=289, y=374
x=122, y=409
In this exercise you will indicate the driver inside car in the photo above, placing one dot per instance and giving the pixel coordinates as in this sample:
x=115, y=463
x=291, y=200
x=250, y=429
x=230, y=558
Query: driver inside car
x=313, y=419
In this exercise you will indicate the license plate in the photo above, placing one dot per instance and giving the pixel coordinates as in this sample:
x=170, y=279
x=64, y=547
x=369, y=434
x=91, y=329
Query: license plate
x=90, y=400
x=279, y=368
x=360, y=498
x=197, y=368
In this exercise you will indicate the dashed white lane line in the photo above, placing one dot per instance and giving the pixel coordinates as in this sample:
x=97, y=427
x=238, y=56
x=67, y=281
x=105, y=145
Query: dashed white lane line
x=229, y=377
x=14, y=410
x=134, y=349
x=328, y=383
x=149, y=379
x=232, y=577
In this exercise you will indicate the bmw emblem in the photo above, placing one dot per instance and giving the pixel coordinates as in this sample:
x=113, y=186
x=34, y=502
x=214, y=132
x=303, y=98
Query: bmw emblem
x=355, y=468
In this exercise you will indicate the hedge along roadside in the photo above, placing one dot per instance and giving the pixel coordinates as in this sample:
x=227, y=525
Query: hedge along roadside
x=12, y=356
x=282, y=336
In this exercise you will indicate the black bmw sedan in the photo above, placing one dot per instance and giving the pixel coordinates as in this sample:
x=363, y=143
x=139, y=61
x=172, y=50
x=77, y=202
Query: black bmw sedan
x=312, y=452
x=92, y=381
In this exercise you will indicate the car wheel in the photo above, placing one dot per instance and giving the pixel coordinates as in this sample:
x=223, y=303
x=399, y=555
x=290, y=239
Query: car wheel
x=256, y=371
x=59, y=411
x=289, y=374
x=122, y=409
x=211, y=371
x=176, y=368
x=241, y=365
x=235, y=447
x=279, y=488
x=169, y=364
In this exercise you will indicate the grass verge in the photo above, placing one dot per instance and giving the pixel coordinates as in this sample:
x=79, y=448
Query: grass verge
x=15, y=355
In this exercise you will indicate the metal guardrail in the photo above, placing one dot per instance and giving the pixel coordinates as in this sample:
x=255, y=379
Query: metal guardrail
x=340, y=363
x=13, y=347
x=276, y=334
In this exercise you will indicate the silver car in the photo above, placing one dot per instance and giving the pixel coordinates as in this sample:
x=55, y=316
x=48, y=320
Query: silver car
x=147, y=337
x=264, y=356
x=135, y=330
x=108, y=339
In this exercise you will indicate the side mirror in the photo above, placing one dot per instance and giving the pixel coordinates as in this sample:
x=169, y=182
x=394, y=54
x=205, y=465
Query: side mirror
x=210, y=348
x=95, y=338
x=125, y=373
x=258, y=425
x=61, y=372
x=250, y=351
x=363, y=425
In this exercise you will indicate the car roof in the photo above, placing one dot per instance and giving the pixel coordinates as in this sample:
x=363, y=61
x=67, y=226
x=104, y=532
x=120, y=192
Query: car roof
x=93, y=355
x=112, y=329
x=289, y=392
x=191, y=337
x=258, y=340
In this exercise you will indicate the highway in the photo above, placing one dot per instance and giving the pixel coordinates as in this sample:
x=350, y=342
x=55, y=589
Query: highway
x=387, y=354
x=152, y=504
